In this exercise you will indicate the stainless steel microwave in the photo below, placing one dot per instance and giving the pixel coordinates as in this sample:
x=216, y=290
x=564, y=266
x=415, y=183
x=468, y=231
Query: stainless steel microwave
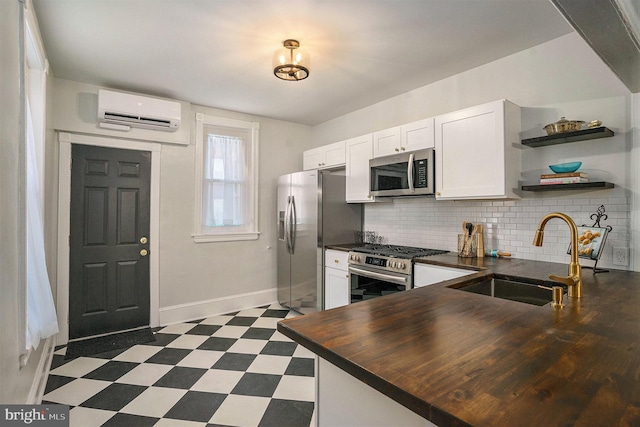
x=403, y=174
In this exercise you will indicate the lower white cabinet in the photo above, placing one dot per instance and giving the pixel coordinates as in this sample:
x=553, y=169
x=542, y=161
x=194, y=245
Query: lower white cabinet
x=344, y=400
x=424, y=275
x=336, y=279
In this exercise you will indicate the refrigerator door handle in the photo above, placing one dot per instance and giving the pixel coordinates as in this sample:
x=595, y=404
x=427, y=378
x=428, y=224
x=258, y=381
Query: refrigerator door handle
x=410, y=172
x=287, y=224
x=294, y=224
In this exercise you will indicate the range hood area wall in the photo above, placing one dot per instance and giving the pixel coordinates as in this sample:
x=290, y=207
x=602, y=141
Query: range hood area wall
x=511, y=224
x=547, y=85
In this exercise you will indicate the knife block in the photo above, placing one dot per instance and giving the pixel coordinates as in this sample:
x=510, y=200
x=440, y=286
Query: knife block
x=468, y=245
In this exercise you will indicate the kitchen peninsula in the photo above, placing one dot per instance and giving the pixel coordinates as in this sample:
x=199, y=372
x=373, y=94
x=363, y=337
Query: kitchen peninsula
x=456, y=358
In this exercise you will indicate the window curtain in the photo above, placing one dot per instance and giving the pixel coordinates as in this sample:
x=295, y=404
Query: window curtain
x=224, y=176
x=41, y=313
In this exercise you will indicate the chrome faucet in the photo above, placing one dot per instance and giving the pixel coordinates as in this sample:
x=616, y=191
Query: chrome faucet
x=574, y=280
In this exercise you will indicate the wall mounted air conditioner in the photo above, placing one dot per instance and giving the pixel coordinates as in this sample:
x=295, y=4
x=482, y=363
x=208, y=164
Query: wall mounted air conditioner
x=122, y=111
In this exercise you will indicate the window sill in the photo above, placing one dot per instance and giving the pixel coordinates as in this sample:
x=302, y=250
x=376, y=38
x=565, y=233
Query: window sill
x=225, y=237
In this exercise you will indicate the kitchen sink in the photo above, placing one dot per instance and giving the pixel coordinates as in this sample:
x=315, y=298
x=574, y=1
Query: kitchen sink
x=514, y=290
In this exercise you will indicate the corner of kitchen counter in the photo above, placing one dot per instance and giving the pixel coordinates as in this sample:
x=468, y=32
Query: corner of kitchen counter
x=344, y=247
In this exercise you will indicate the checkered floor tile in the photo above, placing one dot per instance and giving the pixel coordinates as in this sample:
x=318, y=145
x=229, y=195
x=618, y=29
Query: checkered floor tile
x=231, y=370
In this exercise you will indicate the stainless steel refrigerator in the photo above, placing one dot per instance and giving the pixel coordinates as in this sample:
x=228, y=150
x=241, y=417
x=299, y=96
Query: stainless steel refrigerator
x=311, y=214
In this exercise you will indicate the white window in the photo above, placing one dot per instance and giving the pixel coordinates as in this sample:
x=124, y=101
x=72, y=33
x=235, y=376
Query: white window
x=226, y=179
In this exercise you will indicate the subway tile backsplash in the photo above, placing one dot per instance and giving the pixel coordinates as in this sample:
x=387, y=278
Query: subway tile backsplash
x=509, y=225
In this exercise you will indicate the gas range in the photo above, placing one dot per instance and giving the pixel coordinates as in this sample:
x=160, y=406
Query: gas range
x=378, y=270
x=408, y=252
x=389, y=257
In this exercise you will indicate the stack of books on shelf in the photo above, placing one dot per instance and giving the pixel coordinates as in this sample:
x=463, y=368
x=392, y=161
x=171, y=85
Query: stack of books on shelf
x=563, y=178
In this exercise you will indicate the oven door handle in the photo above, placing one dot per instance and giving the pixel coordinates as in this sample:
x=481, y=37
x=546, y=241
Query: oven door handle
x=387, y=277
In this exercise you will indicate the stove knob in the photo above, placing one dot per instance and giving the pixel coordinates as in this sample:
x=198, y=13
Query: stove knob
x=403, y=266
x=392, y=264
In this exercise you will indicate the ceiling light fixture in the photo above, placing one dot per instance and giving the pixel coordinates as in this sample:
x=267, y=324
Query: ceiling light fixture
x=290, y=62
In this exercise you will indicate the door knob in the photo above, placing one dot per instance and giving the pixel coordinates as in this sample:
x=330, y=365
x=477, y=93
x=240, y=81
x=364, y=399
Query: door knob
x=144, y=252
x=143, y=240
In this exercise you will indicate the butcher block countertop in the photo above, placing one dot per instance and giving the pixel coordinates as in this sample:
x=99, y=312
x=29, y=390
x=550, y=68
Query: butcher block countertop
x=458, y=358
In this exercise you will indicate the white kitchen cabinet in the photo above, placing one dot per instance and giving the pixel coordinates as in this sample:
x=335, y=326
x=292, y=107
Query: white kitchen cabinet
x=327, y=156
x=408, y=137
x=476, y=152
x=417, y=135
x=359, y=151
x=425, y=274
x=336, y=279
x=343, y=400
x=386, y=142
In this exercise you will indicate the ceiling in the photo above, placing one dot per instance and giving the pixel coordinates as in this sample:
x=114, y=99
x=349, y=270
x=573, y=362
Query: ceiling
x=218, y=53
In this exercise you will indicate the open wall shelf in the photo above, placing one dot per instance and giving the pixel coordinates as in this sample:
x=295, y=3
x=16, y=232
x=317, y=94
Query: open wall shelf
x=563, y=138
x=598, y=185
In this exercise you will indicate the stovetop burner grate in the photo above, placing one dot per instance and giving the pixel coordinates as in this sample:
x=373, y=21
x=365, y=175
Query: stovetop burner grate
x=397, y=251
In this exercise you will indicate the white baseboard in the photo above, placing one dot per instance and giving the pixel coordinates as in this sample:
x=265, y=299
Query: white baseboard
x=42, y=373
x=201, y=309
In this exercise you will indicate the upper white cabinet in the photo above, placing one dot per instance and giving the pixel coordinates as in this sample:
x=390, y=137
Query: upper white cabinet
x=327, y=156
x=476, y=152
x=386, y=142
x=417, y=135
x=408, y=137
x=359, y=152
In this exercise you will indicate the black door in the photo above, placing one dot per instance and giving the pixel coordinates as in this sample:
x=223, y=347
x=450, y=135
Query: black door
x=109, y=240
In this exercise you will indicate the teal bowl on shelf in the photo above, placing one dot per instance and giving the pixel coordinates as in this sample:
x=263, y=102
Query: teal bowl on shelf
x=565, y=167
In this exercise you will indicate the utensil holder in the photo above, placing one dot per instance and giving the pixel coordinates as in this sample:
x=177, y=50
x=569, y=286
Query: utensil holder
x=467, y=245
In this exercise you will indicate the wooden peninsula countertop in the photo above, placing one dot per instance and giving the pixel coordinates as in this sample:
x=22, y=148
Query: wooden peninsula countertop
x=458, y=358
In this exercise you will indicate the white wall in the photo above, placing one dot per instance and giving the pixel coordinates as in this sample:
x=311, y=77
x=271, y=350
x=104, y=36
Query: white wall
x=15, y=381
x=192, y=272
x=205, y=278
x=548, y=85
x=82, y=100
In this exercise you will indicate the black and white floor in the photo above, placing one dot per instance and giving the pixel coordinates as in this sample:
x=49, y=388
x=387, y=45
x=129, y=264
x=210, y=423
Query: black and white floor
x=230, y=370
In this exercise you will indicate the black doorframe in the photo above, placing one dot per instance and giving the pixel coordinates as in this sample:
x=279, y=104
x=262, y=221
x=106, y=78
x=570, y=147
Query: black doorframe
x=65, y=139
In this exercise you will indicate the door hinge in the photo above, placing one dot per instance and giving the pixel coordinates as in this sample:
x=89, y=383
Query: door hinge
x=69, y=240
